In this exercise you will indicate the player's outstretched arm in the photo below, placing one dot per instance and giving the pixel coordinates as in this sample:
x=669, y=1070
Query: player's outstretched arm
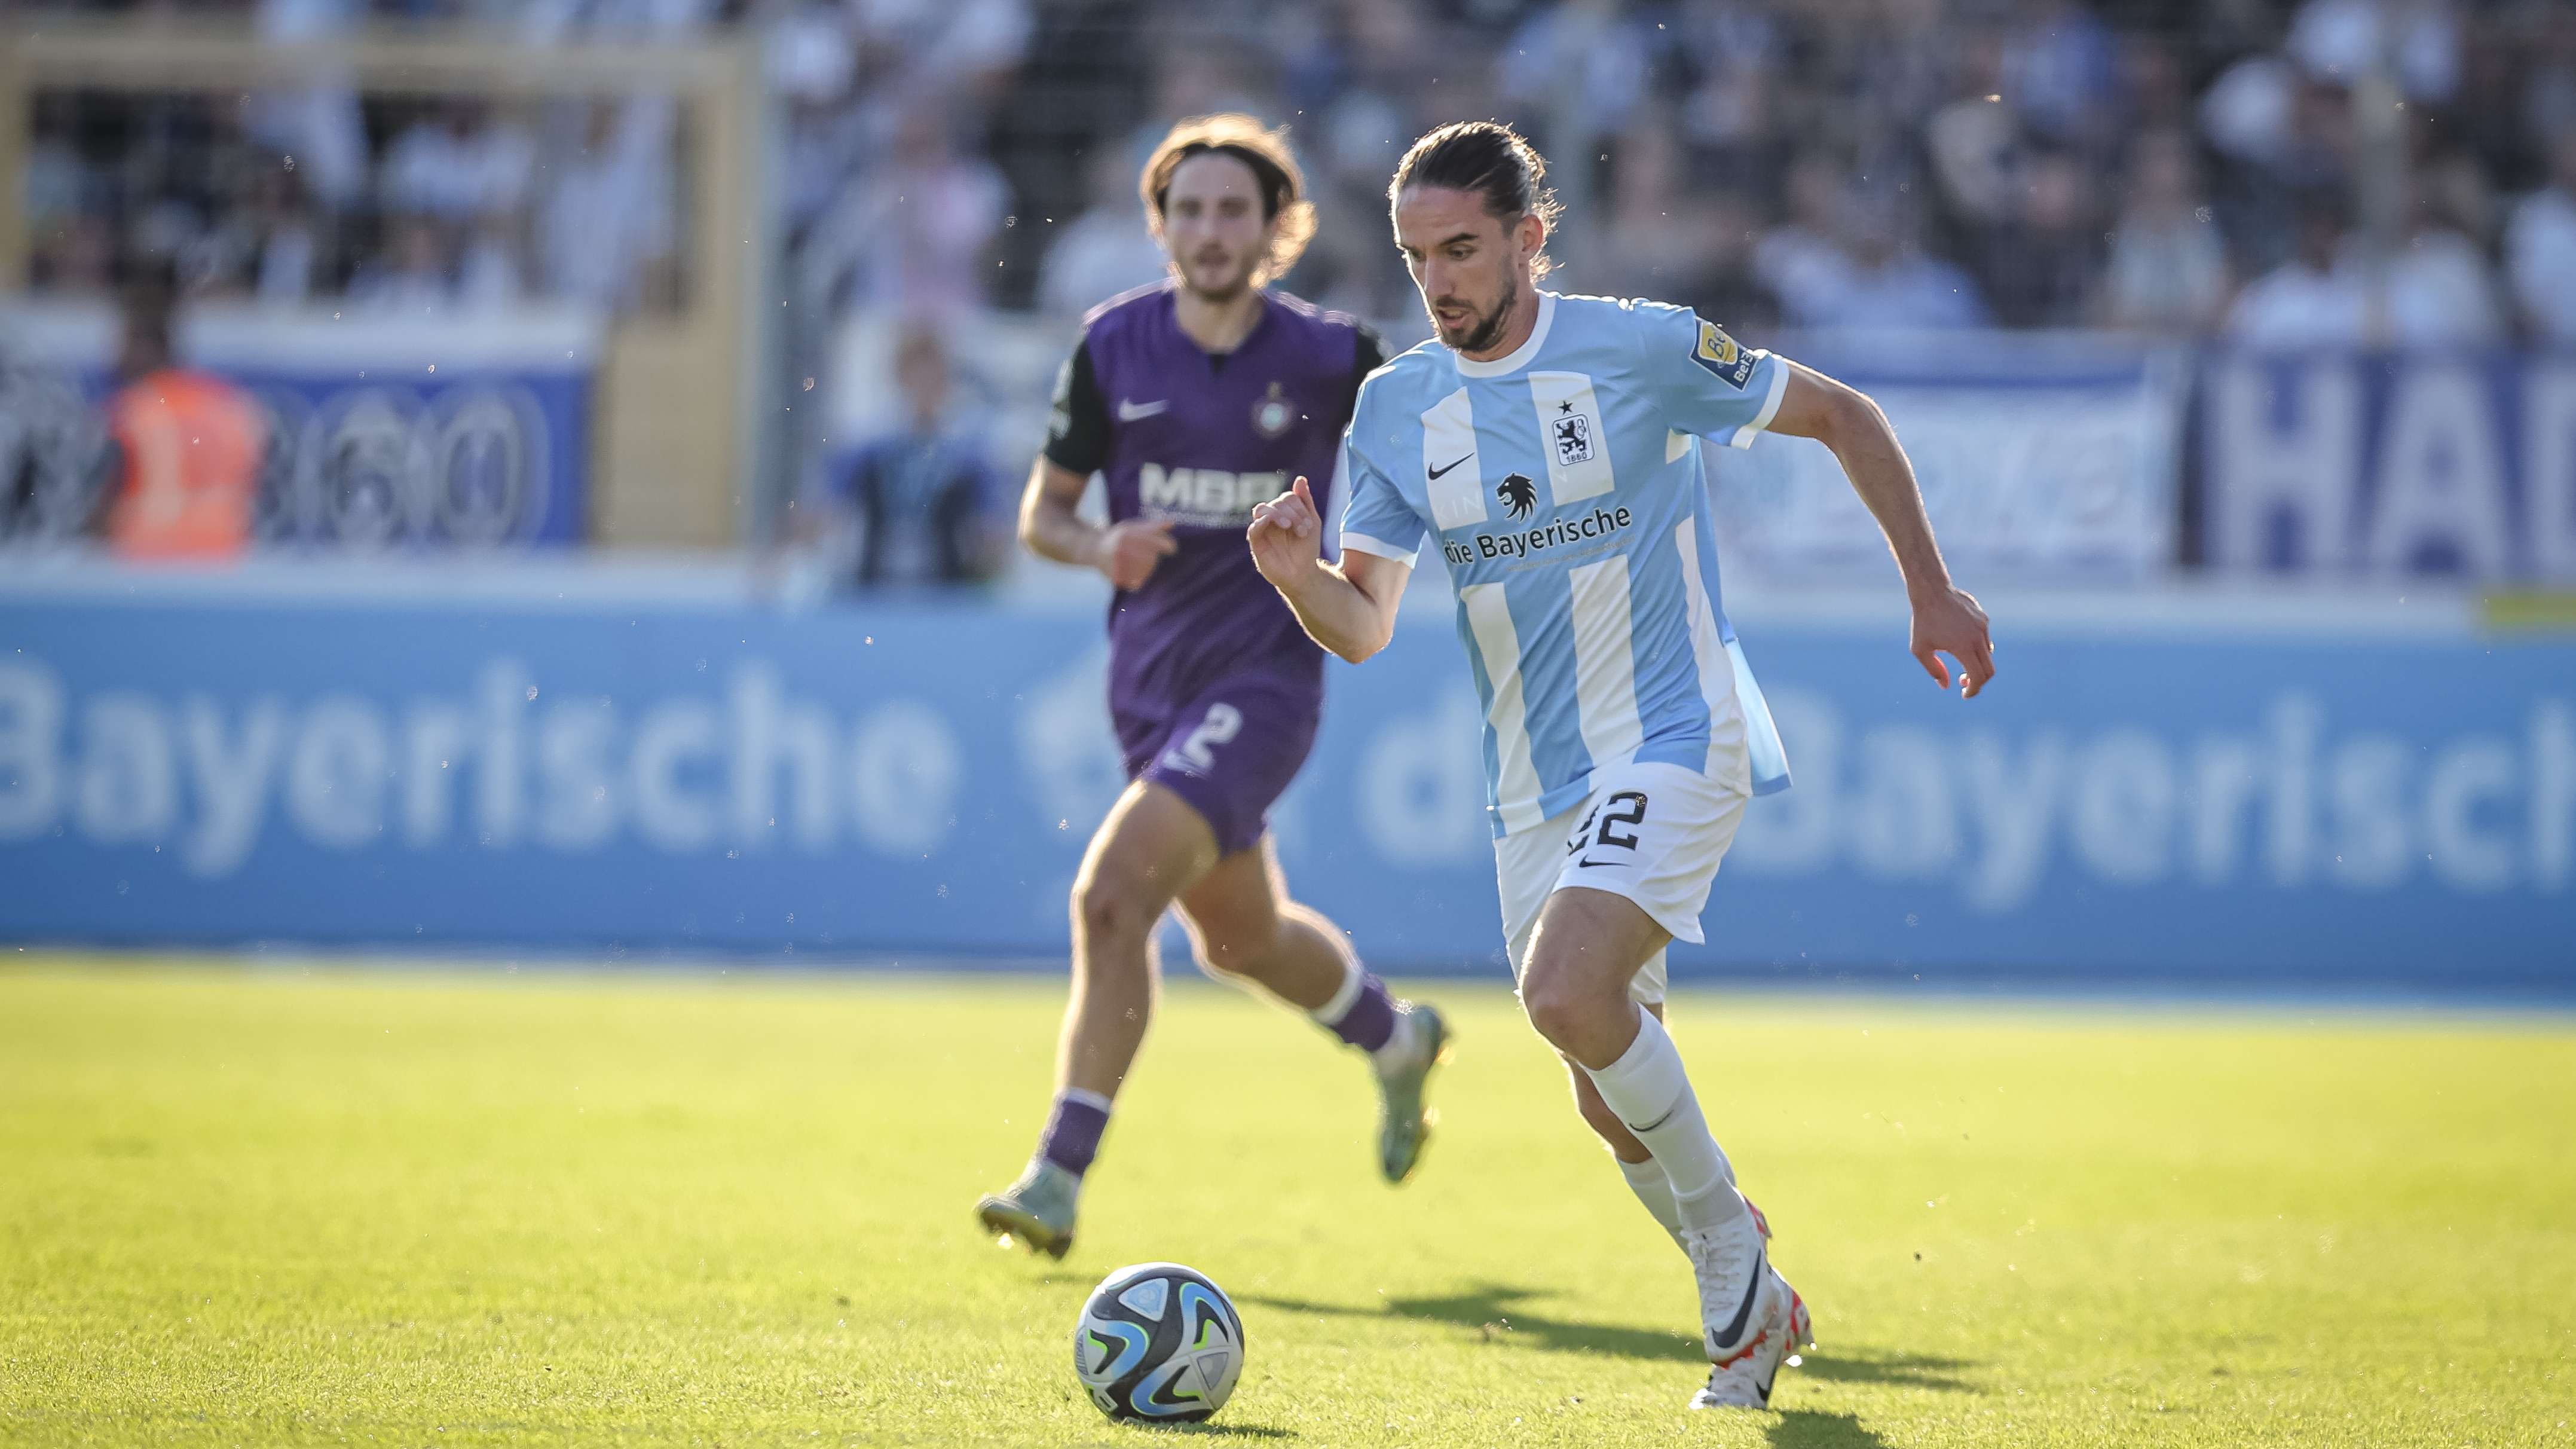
x=1349, y=607
x=1050, y=528
x=1947, y=619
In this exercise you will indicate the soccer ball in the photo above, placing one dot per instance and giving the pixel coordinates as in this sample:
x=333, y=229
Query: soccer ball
x=1158, y=1343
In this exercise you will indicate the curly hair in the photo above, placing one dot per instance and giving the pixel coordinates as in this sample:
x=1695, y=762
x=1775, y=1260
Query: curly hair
x=1274, y=166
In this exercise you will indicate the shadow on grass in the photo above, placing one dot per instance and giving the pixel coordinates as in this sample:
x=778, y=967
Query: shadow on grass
x=1495, y=1309
x=1896, y=1370
x=1155, y=1433
x=1813, y=1429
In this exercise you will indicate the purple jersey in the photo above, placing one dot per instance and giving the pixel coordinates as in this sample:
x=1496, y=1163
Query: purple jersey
x=1199, y=439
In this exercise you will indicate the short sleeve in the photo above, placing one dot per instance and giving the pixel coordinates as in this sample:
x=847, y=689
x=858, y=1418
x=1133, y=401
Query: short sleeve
x=1706, y=382
x=1078, y=422
x=1379, y=520
x=1368, y=354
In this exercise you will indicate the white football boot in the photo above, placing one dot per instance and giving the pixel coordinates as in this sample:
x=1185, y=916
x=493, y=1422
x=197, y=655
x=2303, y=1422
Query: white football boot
x=1748, y=1312
x=1745, y=1381
x=1734, y=1292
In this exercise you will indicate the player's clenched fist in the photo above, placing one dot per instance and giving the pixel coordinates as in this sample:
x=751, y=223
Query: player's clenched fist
x=1127, y=552
x=1287, y=535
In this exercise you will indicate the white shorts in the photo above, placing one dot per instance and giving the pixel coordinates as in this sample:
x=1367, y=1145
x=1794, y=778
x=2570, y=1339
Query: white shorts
x=1653, y=833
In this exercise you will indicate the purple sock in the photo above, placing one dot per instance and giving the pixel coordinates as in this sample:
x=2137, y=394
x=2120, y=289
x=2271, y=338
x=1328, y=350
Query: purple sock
x=1072, y=1135
x=1369, y=1023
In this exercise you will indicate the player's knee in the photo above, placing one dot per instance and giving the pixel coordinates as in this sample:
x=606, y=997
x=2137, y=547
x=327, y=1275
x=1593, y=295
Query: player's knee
x=1553, y=1004
x=1108, y=906
x=1570, y=1007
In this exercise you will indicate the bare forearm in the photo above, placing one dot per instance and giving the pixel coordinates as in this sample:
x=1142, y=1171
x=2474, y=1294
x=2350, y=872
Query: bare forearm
x=1336, y=614
x=1049, y=528
x=1946, y=620
x=1866, y=446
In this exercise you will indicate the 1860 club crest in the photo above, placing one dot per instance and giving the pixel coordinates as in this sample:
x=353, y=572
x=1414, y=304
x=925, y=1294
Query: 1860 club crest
x=1573, y=434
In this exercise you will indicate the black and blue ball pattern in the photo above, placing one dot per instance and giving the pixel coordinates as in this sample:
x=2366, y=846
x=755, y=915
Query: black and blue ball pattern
x=1159, y=1344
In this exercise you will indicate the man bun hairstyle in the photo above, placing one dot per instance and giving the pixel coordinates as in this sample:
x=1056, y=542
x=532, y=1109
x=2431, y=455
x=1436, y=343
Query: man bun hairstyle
x=1274, y=168
x=1490, y=159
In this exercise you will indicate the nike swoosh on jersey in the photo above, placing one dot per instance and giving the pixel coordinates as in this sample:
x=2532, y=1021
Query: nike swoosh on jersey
x=1587, y=860
x=1136, y=412
x=1436, y=472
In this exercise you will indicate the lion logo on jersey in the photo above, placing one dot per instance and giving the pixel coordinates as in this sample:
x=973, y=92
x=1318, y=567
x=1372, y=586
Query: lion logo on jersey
x=1518, y=493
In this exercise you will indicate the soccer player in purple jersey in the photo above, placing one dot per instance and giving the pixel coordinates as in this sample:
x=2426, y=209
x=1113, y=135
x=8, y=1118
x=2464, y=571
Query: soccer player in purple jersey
x=1196, y=399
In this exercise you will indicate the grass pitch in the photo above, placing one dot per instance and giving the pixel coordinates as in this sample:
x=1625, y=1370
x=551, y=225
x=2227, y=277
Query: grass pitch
x=415, y=1208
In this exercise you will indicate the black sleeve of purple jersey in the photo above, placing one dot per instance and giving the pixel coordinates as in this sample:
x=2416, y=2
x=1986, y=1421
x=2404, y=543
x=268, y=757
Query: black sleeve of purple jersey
x=1371, y=350
x=1078, y=428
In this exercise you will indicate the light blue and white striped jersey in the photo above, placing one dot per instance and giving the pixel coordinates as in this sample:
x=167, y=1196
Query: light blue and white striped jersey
x=1565, y=488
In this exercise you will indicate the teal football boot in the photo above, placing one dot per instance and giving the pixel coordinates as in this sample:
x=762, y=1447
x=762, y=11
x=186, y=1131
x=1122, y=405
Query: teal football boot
x=1405, y=1124
x=1037, y=1210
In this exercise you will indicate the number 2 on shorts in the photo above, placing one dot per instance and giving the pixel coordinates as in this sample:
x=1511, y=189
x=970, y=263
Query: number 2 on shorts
x=1196, y=753
x=1634, y=816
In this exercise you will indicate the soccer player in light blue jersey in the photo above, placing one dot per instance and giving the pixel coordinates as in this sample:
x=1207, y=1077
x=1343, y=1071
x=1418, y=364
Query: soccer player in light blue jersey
x=1548, y=446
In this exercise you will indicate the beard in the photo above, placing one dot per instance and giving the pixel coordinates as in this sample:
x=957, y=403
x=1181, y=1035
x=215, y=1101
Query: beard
x=1481, y=331
x=1219, y=282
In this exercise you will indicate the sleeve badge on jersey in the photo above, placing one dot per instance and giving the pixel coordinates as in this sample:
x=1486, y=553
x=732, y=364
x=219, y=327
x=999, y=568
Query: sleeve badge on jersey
x=1719, y=354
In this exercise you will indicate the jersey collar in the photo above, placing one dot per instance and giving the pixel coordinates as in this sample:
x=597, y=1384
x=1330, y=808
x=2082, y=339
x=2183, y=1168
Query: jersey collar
x=1216, y=361
x=1519, y=357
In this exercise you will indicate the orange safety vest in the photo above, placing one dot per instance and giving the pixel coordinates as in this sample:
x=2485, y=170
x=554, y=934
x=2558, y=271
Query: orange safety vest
x=192, y=445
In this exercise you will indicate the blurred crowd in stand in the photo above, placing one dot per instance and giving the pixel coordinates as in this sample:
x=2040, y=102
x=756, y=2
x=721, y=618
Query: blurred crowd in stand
x=2286, y=172
x=392, y=204
x=2173, y=165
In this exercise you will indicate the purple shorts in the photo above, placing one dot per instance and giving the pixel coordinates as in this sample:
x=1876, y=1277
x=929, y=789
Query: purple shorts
x=1228, y=750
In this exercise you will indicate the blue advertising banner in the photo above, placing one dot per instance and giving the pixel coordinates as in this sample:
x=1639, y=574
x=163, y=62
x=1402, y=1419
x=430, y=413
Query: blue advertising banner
x=2427, y=463
x=445, y=431
x=2039, y=457
x=2220, y=803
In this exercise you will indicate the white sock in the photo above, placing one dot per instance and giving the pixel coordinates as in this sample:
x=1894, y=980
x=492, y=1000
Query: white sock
x=1652, y=1094
x=1393, y=1054
x=1646, y=1179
